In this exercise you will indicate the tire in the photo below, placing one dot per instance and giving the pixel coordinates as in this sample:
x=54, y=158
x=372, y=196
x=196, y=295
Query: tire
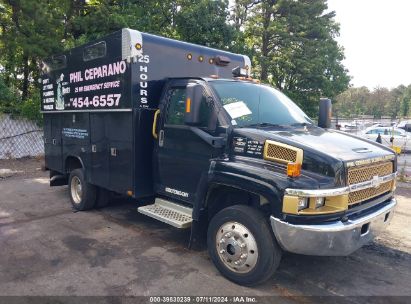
x=241, y=230
x=83, y=198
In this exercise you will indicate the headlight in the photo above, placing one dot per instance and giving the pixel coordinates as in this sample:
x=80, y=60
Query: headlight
x=293, y=204
x=319, y=202
x=302, y=203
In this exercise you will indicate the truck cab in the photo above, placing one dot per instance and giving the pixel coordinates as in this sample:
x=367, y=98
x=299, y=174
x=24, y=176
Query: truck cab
x=202, y=146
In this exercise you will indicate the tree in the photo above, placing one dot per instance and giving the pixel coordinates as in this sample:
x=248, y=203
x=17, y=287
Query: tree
x=379, y=102
x=352, y=102
x=291, y=42
x=30, y=31
x=405, y=103
x=205, y=22
x=405, y=106
x=394, y=105
x=296, y=49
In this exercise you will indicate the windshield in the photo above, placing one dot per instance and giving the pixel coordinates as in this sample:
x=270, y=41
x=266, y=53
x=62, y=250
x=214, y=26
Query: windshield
x=250, y=104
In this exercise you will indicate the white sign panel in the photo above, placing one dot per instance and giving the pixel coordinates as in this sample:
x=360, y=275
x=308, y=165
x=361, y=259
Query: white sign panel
x=237, y=109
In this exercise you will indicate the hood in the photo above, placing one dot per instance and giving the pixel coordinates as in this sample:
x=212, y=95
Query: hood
x=332, y=143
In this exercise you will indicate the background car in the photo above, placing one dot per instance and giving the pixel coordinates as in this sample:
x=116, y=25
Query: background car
x=405, y=125
x=401, y=138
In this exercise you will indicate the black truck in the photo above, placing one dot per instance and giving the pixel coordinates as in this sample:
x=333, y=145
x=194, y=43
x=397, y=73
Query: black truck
x=198, y=144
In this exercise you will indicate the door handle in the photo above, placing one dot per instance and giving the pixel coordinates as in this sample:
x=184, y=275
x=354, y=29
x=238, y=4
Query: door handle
x=161, y=138
x=113, y=151
x=154, y=129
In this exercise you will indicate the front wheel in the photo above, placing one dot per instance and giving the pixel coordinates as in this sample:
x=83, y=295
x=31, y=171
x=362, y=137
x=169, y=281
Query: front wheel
x=242, y=246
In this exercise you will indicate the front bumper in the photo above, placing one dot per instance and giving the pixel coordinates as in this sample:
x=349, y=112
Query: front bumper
x=334, y=238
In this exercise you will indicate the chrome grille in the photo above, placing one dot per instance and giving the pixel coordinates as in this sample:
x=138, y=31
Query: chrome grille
x=365, y=194
x=365, y=173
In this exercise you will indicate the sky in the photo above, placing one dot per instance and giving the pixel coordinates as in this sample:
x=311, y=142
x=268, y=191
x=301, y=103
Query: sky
x=376, y=36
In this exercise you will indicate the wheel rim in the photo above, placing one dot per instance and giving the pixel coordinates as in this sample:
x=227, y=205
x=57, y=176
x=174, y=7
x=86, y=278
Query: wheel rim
x=76, y=189
x=236, y=247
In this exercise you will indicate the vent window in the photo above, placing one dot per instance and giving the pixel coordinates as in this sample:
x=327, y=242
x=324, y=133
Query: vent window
x=55, y=63
x=95, y=51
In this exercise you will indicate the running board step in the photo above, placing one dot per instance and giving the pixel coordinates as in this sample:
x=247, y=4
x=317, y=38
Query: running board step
x=171, y=213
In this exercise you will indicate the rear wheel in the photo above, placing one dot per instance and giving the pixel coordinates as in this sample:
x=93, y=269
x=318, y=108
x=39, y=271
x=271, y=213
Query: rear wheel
x=242, y=246
x=82, y=194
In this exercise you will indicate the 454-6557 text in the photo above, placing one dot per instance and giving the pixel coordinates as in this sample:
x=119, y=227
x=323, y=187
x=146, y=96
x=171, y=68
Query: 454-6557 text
x=99, y=101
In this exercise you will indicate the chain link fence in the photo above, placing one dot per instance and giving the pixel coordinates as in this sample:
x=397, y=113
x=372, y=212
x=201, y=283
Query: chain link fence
x=19, y=138
x=357, y=125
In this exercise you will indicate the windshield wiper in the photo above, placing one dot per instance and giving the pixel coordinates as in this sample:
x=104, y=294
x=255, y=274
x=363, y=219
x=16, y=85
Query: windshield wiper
x=264, y=124
x=303, y=124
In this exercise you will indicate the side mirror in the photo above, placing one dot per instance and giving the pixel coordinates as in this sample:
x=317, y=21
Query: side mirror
x=324, y=115
x=193, y=104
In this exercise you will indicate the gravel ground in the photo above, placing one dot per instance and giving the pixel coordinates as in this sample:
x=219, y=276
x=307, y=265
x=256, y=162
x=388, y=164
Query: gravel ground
x=47, y=249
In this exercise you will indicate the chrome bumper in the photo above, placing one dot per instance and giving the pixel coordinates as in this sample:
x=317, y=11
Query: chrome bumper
x=335, y=238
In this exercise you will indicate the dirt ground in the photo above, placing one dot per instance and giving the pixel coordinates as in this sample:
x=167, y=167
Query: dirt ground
x=47, y=249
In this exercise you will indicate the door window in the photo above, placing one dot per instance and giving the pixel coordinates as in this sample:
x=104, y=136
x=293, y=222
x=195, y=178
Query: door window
x=176, y=97
x=206, y=111
x=176, y=108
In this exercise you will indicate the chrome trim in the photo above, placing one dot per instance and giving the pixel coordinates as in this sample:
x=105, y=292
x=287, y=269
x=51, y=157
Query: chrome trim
x=374, y=183
x=317, y=192
x=342, y=190
x=369, y=160
x=332, y=239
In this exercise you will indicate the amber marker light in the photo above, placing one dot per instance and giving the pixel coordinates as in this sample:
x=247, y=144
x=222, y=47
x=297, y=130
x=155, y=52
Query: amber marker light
x=188, y=105
x=138, y=46
x=293, y=169
x=130, y=193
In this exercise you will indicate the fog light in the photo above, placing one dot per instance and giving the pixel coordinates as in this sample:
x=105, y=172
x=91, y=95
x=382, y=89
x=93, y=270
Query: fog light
x=319, y=202
x=302, y=203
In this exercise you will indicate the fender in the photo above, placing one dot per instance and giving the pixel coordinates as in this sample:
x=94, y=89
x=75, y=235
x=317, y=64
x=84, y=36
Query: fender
x=234, y=175
x=241, y=176
x=76, y=157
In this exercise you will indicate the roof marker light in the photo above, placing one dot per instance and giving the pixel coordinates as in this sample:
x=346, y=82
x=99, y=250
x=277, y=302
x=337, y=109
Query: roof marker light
x=222, y=60
x=239, y=72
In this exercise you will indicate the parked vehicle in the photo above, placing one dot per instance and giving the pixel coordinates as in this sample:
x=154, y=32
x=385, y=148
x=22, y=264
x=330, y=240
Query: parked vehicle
x=405, y=125
x=348, y=127
x=198, y=144
x=390, y=136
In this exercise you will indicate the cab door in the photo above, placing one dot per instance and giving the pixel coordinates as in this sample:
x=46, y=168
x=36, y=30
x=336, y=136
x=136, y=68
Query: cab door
x=181, y=156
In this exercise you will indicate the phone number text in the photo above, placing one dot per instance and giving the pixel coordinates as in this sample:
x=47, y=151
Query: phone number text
x=99, y=101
